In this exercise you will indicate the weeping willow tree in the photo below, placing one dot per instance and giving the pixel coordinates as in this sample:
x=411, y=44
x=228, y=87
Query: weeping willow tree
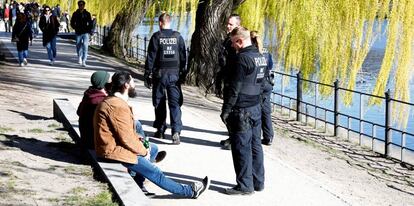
x=331, y=40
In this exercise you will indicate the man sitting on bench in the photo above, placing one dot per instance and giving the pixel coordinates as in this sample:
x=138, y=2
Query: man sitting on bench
x=115, y=139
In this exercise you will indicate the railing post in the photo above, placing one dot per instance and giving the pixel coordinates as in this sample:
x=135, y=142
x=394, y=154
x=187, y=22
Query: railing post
x=104, y=34
x=387, y=121
x=336, y=107
x=298, y=96
x=145, y=47
x=137, y=47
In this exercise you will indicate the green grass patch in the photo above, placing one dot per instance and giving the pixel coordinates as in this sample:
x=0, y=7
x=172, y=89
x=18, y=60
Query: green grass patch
x=77, y=197
x=63, y=138
x=36, y=130
x=53, y=125
x=4, y=129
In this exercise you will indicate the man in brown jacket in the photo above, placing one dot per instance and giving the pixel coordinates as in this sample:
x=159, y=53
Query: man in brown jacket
x=116, y=139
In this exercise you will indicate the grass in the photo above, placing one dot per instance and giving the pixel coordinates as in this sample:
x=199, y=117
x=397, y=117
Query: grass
x=80, y=170
x=63, y=138
x=4, y=129
x=53, y=125
x=77, y=197
x=36, y=130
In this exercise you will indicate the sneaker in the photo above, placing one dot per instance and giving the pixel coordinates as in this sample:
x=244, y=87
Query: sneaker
x=160, y=156
x=200, y=187
x=159, y=134
x=83, y=64
x=146, y=193
x=20, y=64
x=176, y=138
x=51, y=62
x=237, y=191
x=80, y=60
x=267, y=142
x=25, y=62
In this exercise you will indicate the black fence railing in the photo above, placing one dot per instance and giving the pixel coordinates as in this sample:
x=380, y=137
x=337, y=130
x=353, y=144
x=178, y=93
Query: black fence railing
x=136, y=50
x=381, y=136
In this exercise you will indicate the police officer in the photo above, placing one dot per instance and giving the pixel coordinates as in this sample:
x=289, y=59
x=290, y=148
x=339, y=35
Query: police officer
x=267, y=88
x=227, y=60
x=165, y=71
x=241, y=113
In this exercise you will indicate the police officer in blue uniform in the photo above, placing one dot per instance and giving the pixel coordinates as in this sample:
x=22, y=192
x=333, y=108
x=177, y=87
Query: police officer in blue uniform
x=241, y=113
x=165, y=71
x=267, y=88
x=227, y=58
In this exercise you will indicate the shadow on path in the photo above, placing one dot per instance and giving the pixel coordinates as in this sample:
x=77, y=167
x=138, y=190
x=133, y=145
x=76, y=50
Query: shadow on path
x=58, y=151
x=186, y=179
x=30, y=116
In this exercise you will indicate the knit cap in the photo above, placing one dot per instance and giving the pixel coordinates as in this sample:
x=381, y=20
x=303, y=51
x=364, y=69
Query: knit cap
x=99, y=79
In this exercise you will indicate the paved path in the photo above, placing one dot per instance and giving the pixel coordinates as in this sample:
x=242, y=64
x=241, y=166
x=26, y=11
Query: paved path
x=199, y=153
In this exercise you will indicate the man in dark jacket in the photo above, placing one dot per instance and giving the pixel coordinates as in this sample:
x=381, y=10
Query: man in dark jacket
x=165, y=71
x=241, y=113
x=50, y=27
x=94, y=95
x=82, y=23
x=227, y=60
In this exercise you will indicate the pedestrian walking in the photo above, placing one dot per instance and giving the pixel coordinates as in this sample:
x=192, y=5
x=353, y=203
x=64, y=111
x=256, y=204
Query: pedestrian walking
x=49, y=25
x=165, y=71
x=267, y=88
x=227, y=62
x=117, y=140
x=6, y=17
x=241, y=113
x=82, y=23
x=22, y=35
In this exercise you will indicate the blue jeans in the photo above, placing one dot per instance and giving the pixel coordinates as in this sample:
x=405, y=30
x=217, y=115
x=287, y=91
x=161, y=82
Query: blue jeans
x=22, y=55
x=155, y=175
x=82, y=43
x=139, y=129
x=51, y=49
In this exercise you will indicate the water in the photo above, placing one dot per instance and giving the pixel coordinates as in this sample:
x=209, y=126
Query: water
x=365, y=83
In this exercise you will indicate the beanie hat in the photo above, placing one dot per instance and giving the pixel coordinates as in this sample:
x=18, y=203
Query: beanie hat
x=99, y=79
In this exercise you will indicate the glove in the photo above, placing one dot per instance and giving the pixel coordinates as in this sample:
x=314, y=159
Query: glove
x=224, y=116
x=148, y=80
x=181, y=79
x=272, y=79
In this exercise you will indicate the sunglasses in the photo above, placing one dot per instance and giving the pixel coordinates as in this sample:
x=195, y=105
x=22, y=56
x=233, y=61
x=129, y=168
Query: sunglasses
x=47, y=9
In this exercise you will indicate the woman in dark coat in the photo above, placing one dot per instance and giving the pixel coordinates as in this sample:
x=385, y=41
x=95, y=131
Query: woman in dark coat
x=22, y=34
x=49, y=25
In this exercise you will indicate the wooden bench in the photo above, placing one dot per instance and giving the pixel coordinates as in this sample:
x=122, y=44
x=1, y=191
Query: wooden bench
x=126, y=190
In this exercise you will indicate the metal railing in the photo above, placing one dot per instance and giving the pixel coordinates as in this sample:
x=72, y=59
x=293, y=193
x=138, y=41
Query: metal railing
x=136, y=50
x=309, y=112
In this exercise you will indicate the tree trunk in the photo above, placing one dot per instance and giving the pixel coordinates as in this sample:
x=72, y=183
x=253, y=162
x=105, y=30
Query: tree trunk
x=119, y=37
x=211, y=20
